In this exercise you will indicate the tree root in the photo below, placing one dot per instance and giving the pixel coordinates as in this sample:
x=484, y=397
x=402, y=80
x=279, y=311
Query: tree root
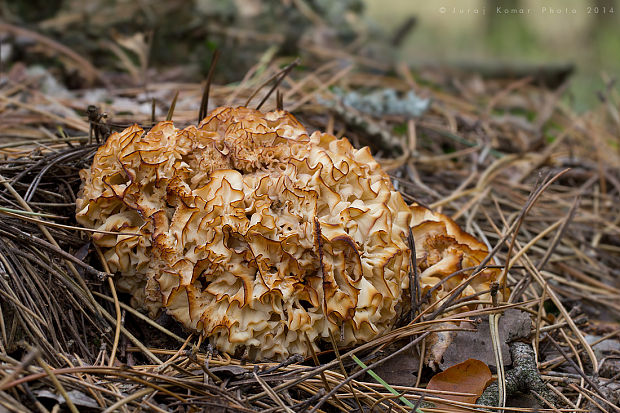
x=522, y=378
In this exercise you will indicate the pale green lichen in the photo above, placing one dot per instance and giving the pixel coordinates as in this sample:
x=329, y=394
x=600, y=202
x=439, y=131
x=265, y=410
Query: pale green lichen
x=384, y=102
x=365, y=112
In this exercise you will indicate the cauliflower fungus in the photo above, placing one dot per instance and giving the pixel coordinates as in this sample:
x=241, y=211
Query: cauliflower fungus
x=255, y=233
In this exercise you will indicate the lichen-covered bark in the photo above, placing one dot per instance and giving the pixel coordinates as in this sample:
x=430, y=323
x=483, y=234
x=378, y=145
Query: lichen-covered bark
x=522, y=378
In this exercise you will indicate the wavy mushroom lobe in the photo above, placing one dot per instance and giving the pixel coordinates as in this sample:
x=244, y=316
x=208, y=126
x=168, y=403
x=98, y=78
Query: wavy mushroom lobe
x=257, y=234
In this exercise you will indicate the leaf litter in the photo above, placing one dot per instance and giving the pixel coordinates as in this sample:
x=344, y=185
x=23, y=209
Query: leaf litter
x=477, y=154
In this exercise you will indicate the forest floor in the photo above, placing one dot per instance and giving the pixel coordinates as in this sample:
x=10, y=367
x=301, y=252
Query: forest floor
x=504, y=156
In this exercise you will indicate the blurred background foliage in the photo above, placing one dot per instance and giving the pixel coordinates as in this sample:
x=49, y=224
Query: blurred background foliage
x=463, y=34
x=471, y=33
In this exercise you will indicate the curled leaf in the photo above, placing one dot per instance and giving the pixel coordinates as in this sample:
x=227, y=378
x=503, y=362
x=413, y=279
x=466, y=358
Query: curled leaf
x=471, y=376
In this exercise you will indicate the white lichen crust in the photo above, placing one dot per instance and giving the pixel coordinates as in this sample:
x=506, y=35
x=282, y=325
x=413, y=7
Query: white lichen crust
x=256, y=234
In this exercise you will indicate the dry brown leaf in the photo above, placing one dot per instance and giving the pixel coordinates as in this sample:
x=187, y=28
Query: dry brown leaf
x=471, y=376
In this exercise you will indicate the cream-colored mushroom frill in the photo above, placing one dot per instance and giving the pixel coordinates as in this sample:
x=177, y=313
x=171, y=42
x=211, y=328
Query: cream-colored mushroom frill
x=256, y=234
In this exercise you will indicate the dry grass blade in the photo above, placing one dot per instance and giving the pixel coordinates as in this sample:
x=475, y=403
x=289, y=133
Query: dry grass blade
x=57, y=250
x=499, y=362
x=414, y=281
x=323, y=377
x=125, y=400
x=32, y=355
x=47, y=235
x=24, y=217
x=279, y=80
x=575, y=366
x=395, y=394
x=279, y=100
x=58, y=385
x=372, y=366
x=204, y=103
x=278, y=77
x=271, y=393
x=527, y=207
x=74, y=123
x=569, y=217
x=172, y=106
x=144, y=318
x=117, y=308
x=343, y=370
x=88, y=69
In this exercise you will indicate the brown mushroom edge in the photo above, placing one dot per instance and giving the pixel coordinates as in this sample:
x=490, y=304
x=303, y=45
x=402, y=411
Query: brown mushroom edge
x=256, y=233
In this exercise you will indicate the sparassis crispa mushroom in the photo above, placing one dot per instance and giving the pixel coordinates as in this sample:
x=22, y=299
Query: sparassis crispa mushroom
x=257, y=234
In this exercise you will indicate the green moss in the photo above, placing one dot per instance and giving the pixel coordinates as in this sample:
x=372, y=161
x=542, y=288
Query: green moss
x=400, y=129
